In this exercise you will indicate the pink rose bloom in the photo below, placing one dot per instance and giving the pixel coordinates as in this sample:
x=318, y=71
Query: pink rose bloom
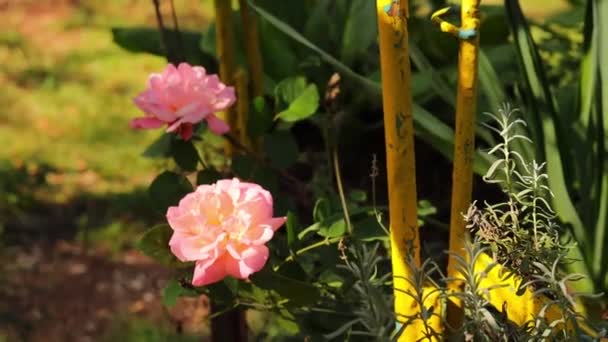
x=224, y=228
x=181, y=97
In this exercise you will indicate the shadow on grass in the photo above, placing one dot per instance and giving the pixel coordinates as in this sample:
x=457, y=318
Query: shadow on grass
x=30, y=211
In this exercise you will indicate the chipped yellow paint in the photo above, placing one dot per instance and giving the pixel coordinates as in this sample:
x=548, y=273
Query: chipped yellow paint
x=464, y=144
x=401, y=173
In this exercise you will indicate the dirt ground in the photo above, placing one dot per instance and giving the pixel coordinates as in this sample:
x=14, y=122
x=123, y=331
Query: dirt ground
x=56, y=292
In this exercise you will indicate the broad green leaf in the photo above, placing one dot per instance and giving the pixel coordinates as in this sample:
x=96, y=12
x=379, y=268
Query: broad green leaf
x=185, y=154
x=173, y=290
x=243, y=166
x=321, y=210
x=298, y=292
x=155, y=244
x=260, y=119
x=295, y=35
x=357, y=195
x=147, y=40
x=289, y=89
x=280, y=59
x=160, y=148
x=207, y=176
x=368, y=229
x=221, y=291
x=428, y=127
x=304, y=106
x=249, y=169
x=167, y=189
x=335, y=229
x=281, y=148
x=360, y=30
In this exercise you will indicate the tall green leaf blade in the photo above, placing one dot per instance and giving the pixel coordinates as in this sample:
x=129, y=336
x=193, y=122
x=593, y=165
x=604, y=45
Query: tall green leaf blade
x=295, y=35
x=600, y=37
x=442, y=87
x=547, y=131
x=360, y=30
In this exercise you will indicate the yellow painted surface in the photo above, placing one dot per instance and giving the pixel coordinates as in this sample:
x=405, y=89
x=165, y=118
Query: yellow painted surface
x=464, y=145
x=401, y=173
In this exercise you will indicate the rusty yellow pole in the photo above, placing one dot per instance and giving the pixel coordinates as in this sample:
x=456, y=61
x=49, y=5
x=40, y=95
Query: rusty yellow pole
x=224, y=31
x=252, y=49
x=520, y=309
x=401, y=172
x=464, y=144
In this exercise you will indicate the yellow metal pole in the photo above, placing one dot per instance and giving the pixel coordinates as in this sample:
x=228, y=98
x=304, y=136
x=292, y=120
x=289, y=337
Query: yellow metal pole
x=520, y=309
x=401, y=172
x=464, y=144
x=224, y=31
x=252, y=49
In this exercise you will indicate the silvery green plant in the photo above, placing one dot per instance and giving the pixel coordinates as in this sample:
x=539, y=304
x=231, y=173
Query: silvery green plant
x=521, y=230
x=522, y=234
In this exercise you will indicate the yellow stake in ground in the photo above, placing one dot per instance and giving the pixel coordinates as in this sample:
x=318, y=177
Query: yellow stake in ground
x=464, y=144
x=401, y=173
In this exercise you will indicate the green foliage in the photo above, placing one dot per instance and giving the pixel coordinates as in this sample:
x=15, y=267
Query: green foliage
x=522, y=235
x=520, y=231
x=320, y=280
x=148, y=40
x=167, y=189
x=570, y=131
x=298, y=293
x=155, y=242
x=160, y=148
x=173, y=290
x=302, y=99
x=281, y=148
x=185, y=154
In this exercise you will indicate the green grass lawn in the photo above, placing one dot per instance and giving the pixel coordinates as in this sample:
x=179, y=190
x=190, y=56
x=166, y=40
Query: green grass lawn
x=65, y=105
x=66, y=101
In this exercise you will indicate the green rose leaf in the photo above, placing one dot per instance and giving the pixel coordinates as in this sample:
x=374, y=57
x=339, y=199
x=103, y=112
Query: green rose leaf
x=160, y=148
x=282, y=149
x=173, y=290
x=303, y=107
x=167, y=189
x=184, y=154
x=207, y=176
x=155, y=244
x=298, y=292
